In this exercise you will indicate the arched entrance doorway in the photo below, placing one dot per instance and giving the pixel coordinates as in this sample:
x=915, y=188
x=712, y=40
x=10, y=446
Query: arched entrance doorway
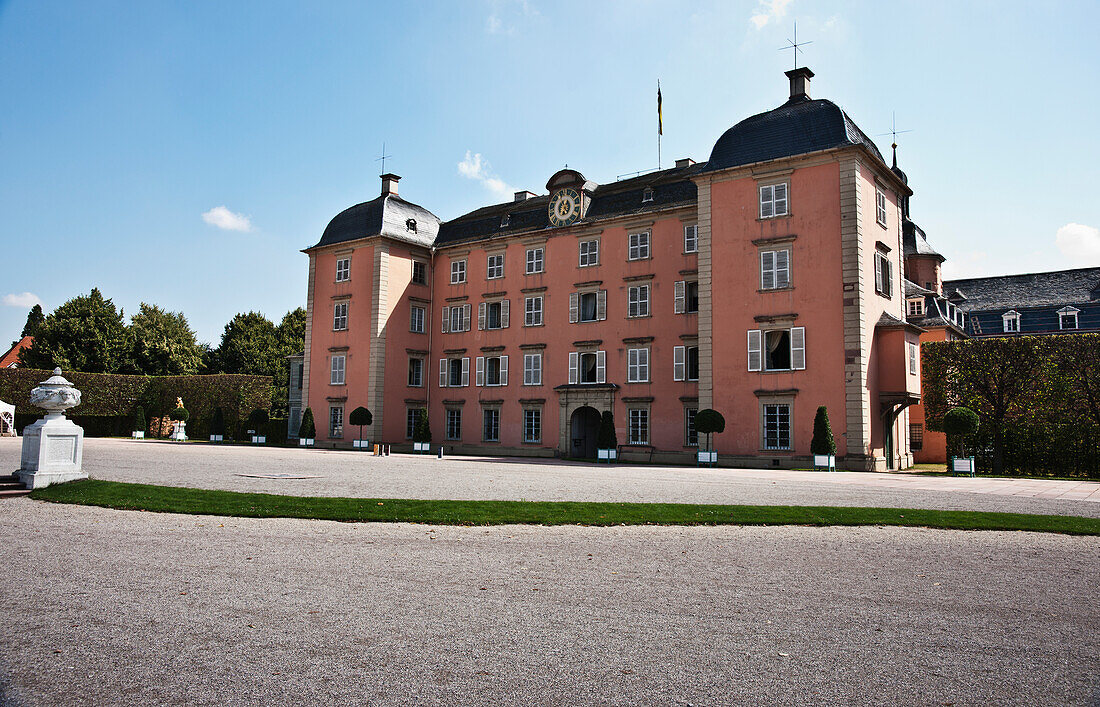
x=584, y=426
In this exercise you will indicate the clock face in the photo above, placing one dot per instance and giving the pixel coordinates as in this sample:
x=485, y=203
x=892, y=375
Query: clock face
x=565, y=207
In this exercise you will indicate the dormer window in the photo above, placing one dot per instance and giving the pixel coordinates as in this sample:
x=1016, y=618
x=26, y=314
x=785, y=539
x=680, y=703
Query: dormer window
x=1067, y=317
x=1011, y=321
x=505, y=220
x=916, y=307
x=647, y=195
x=410, y=225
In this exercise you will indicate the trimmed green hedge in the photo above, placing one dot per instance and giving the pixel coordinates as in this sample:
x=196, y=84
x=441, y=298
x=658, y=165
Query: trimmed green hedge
x=108, y=400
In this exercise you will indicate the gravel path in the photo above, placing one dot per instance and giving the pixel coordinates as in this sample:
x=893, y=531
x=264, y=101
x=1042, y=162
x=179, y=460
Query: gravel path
x=347, y=473
x=115, y=607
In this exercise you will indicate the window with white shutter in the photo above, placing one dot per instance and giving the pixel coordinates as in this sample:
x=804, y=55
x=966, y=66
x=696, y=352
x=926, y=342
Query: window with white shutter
x=601, y=305
x=446, y=319
x=756, y=348
x=532, y=311
x=773, y=200
x=574, y=306
x=679, y=362
x=574, y=365
x=637, y=365
x=466, y=310
x=691, y=239
x=638, y=301
x=479, y=371
x=678, y=295
x=798, y=348
x=775, y=272
x=601, y=367
x=465, y=371
x=443, y=367
x=532, y=369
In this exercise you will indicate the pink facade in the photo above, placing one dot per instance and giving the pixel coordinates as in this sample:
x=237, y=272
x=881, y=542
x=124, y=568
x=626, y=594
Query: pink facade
x=759, y=284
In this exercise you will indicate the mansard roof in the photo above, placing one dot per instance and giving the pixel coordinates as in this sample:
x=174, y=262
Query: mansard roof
x=914, y=242
x=799, y=126
x=671, y=188
x=1078, y=286
x=388, y=215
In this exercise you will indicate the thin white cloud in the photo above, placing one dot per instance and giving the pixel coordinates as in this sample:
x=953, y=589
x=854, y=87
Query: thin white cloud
x=1079, y=243
x=22, y=300
x=477, y=168
x=768, y=11
x=226, y=220
x=506, y=14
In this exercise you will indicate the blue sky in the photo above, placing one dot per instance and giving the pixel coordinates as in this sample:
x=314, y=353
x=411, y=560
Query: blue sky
x=123, y=124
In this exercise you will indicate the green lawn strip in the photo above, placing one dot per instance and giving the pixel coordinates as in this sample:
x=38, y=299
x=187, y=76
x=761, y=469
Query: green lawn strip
x=173, y=499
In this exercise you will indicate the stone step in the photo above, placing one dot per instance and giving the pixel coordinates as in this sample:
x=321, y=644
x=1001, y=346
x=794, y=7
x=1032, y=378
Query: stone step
x=9, y=493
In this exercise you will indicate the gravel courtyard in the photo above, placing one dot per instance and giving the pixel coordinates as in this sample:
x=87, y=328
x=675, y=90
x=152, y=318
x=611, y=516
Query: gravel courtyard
x=117, y=607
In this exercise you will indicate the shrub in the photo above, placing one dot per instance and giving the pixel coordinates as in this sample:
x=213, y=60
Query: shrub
x=959, y=423
x=605, y=438
x=360, y=417
x=709, y=422
x=823, y=442
x=307, y=430
x=139, y=419
x=179, y=414
x=423, y=431
x=217, y=422
x=257, y=420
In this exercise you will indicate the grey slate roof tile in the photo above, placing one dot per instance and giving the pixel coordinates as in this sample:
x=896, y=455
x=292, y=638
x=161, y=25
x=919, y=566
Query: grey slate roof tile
x=1006, y=292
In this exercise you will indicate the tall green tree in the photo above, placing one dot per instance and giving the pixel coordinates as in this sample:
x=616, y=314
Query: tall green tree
x=34, y=321
x=87, y=334
x=248, y=345
x=163, y=343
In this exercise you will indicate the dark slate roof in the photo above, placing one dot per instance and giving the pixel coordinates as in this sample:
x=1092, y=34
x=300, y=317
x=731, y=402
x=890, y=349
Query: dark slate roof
x=385, y=215
x=671, y=187
x=799, y=126
x=912, y=289
x=1030, y=290
x=914, y=242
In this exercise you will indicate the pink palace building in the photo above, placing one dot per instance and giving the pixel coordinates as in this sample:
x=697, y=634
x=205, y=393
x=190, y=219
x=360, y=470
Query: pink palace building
x=762, y=283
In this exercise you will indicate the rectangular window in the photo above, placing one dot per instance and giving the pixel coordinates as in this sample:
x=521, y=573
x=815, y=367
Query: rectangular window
x=880, y=207
x=777, y=427
x=685, y=363
x=639, y=246
x=587, y=367
x=1067, y=319
x=691, y=435
x=884, y=274
x=535, y=260
x=340, y=316
x=1011, y=322
x=916, y=436
x=337, y=371
x=301, y=374
x=777, y=349
x=493, y=315
x=914, y=358
x=638, y=301
x=491, y=371
x=420, y=272
x=691, y=239
x=454, y=423
x=532, y=311
x=416, y=372
x=773, y=200
x=490, y=425
x=458, y=272
x=637, y=365
x=589, y=253
x=532, y=425
x=336, y=421
x=588, y=306
x=494, y=268
x=638, y=427
x=343, y=269
x=412, y=421
x=457, y=315
x=532, y=369
x=454, y=372
x=775, y=269
x=916, y=307
x=416, y=319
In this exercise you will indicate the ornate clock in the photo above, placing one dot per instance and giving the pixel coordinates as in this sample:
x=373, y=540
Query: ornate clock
x=565, y=207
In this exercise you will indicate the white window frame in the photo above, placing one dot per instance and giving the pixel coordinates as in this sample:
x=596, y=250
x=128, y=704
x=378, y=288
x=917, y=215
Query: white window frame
x=338, y=368
x=689, y=427
x=417, y=319
x=637, y=426
x=575, y=368
x=575, y=309
x=452, y=424
x=532, y=425
x=637, y=365
x=691, y=238
x=423, y=271
x=884, y=274
x=485, y=415
x=774, y=200
x=532, y=368
x=779, y=416
x=637, y=301
x=494, y=266
x=343, y=269
x=482, y=368
x=503, y=318
x=775, y=269
x=914, y=359
x=1011, y=321
x=757, y=356
x=638, y=245
x=412, y=420
x=340, y=316
x=458, y=271
x=915, y=307
x=880, y=207
x=335, y=421
x=420, y=378
x=1066, y=313
x=588, y=253
x=445, y=367
x=532, y=311
x=536, y=260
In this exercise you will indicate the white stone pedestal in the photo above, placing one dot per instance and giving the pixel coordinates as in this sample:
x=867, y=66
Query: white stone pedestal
x=53, y=452
x=179, y=432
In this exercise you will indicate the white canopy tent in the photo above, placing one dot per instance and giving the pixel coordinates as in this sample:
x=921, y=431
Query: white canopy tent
x=7, y=420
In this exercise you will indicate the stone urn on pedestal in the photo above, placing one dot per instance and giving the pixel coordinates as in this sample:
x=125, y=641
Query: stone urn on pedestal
x=53, y=447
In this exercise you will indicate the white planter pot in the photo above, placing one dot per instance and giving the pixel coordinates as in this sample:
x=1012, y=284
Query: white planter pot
x=138, y=435
x=216, y=438
x=607, y=454
x=360, y=443
x=708, y=457
x=825, y=461
x=259, y=439
x=305, y=442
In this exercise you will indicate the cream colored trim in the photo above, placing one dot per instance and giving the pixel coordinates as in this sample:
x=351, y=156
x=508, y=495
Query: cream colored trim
x=857, y=344
x=376, y=382
x=705, y=316
x=309, y=331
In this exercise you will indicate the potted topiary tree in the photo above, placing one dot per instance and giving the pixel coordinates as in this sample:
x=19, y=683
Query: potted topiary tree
x=257, y=422
x=960, y=423
x=709, y=422
x=179, y=416
x=307, y=429
x=139, y=423
x=607, y=444
x=823, y=446
x=217, y=425
x=360, y=416
x=422, y=435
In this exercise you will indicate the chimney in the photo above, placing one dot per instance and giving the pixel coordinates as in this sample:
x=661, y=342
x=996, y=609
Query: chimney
x=684, y=162
x=389, y=184
x=800, y=82
x=524, y=195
